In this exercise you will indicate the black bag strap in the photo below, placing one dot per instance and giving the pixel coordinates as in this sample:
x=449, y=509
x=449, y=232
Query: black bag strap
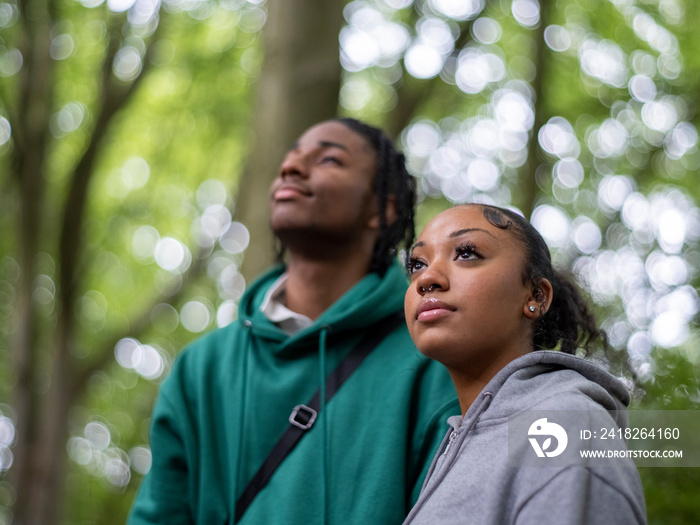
x=303, y=417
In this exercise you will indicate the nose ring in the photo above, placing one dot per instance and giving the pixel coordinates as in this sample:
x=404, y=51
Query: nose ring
x=430, y=288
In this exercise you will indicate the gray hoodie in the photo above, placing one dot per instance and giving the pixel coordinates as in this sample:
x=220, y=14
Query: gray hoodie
x=474, y=480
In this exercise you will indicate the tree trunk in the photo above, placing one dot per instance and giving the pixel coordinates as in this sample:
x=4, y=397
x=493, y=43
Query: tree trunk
x=298, y=87
x=41, y=500
x=27, y=165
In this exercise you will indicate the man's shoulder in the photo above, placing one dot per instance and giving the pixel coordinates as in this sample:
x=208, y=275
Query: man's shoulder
x=213, y=346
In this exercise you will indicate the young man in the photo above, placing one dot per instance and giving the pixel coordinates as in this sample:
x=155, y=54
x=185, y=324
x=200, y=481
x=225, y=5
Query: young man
x=253, y=425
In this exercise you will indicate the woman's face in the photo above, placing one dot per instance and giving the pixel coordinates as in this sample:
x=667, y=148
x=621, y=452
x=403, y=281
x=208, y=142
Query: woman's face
x=468, y=304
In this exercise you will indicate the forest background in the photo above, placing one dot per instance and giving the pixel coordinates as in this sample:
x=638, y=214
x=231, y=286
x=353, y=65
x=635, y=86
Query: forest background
x=138, y=139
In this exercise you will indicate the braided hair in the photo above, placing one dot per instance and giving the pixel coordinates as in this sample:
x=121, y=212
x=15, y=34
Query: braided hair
x=391, y=180
x=568, y=323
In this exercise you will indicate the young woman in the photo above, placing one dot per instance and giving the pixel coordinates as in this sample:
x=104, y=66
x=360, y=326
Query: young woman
x=485, y=302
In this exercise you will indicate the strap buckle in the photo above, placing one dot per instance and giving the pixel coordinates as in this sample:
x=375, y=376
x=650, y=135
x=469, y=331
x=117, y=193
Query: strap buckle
x=303, y=417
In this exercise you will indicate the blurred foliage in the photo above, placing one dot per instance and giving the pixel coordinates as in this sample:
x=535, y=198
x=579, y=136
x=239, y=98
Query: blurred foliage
x=670, y=491
x=187, y=125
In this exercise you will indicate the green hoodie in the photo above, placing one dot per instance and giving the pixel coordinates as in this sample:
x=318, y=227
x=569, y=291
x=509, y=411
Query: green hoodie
x=229, y=396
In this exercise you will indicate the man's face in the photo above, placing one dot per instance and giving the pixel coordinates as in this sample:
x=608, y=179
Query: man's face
x=324, y=189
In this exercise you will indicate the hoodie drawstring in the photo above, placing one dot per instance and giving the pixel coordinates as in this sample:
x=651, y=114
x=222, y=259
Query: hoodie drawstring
x=241, y=419
x=324, y=420
x=322, y=343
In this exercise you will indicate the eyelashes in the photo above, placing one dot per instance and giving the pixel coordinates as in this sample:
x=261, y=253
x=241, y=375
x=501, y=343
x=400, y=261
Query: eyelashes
x=413, y=264
x=467, y=251
x=331, y=160
x=464, y=252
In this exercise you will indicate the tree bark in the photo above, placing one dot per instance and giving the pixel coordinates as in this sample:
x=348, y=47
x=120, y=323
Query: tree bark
x=27, y=165
x=298, y=86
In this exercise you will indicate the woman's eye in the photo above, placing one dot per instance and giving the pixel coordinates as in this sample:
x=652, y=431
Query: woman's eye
x=414, y=265
x=331, y=160
x=466, y=253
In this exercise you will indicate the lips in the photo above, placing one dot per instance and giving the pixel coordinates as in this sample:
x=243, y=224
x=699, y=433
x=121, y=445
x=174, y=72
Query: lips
x=431, y=309
x=290, y=191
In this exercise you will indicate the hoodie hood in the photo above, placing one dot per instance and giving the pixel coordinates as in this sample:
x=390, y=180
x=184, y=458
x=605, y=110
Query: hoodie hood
x=541, y=380
x=529, y=381
x=370, y=300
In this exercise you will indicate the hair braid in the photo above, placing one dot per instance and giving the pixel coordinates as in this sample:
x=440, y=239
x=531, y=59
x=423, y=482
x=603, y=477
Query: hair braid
x=391, y=181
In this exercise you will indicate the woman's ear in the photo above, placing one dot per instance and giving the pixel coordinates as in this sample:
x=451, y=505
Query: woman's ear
x=540, y=300
x=391, y=214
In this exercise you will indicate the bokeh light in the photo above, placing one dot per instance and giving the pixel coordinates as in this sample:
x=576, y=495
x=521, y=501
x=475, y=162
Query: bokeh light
x=553, y=224
x=144, y=242
x=486, y=30
x=7, y=440
x=211, y=192
x=604, y=60
x=195, y=316
x=226, y=313
x=458, y=9
x=477, y=68
x=69, y=118
x=61, y=46
x=96, y=451
x=5, y=130
x=234, y=237
x=127, y=64
x=172, y=255
x=526, y=12
x=119, y=6
x=145, y=360
x=141, y=459
x=11, y=61
x=557, y=38
x=557, y=137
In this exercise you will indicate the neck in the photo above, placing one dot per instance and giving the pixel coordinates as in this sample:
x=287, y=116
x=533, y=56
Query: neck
x=314, y=285
x=467, y=392
x=470, y=380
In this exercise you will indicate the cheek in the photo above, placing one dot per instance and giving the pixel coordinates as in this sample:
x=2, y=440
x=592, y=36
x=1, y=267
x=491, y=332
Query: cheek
x=352, y=187
x=409, y=308
x=488, y=298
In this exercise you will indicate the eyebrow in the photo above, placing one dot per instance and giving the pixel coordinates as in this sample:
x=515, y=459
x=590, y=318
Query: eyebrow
x=329, y=144
x=322, y=144
x=457, y=233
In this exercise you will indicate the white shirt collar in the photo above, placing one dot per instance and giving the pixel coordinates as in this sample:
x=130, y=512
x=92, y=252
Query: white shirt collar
x=275, y=309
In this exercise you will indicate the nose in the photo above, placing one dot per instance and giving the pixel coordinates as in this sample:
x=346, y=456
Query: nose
x=431, y=279
x=293, y=165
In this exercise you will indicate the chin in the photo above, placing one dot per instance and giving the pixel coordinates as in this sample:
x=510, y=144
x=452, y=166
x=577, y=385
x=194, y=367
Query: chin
x=436, y=352
x=448, y=352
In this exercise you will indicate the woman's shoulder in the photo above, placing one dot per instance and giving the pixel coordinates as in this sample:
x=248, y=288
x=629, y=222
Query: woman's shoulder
x=556, y=381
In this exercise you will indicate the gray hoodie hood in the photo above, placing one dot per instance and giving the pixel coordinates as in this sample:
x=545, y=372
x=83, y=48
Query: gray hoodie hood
x=471, y=479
